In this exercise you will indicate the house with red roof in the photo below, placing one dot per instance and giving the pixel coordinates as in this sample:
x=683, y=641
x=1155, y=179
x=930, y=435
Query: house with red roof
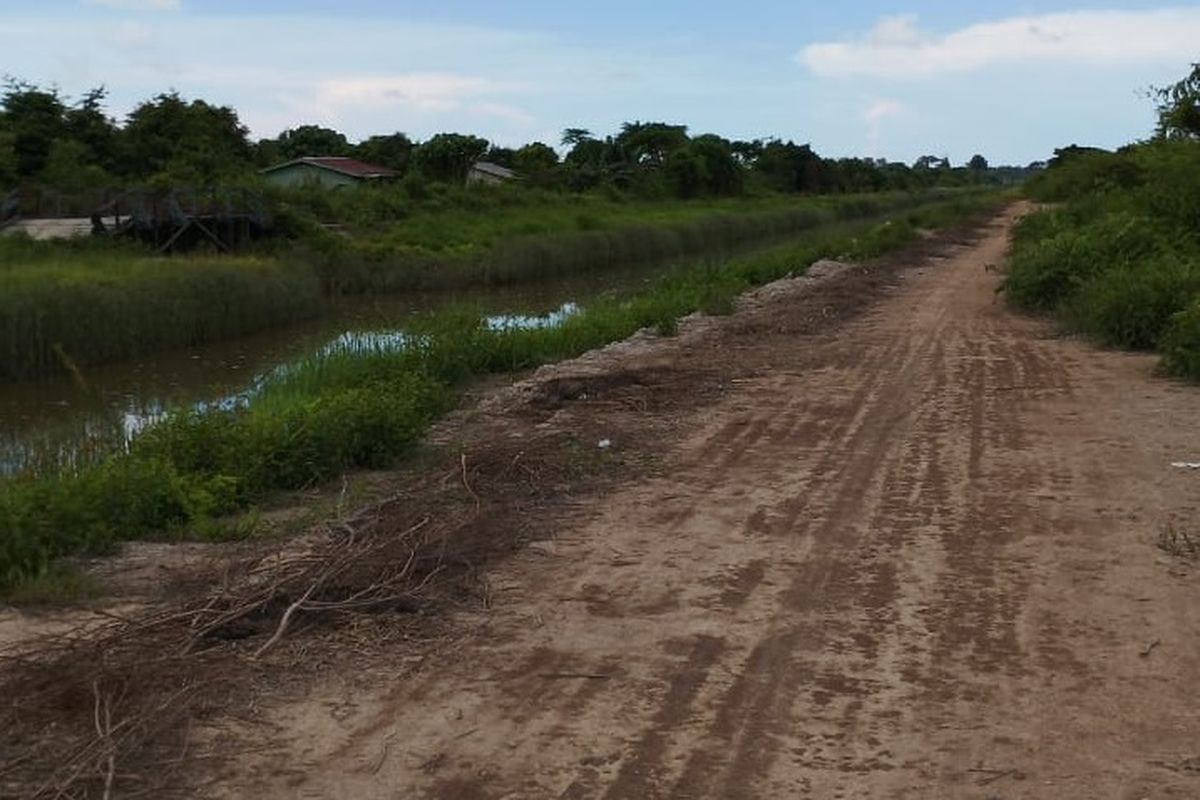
x=329, y=171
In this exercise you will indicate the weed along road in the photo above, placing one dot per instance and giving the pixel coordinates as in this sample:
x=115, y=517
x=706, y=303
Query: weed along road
x=889, y=540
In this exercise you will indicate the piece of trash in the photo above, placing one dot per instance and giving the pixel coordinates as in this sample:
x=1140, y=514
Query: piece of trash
x=1186, y=465
x=604, y=444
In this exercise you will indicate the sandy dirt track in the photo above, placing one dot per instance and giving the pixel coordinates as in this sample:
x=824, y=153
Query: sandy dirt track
x=910, y=553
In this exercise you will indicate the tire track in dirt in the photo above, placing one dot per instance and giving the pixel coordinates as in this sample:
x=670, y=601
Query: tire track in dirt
x=896, y=560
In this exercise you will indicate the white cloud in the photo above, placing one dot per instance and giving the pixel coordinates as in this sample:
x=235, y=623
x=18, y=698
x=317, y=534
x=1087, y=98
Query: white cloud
x=137, y=5
x=898, y=48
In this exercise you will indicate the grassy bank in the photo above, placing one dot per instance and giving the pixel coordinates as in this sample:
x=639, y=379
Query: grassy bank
x=68, y=305
x=72, y=305
x=1118, y=256
x=347, y=410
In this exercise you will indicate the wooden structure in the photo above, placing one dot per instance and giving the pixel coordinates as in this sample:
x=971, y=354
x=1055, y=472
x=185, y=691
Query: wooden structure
x=171, y=220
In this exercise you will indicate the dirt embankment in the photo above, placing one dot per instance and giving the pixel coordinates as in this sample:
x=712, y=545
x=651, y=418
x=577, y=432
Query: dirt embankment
x=871, y=536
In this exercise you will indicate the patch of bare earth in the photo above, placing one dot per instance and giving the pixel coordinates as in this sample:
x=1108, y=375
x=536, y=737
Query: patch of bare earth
x=871, y=536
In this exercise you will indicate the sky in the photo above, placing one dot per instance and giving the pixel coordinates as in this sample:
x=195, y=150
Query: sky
x=1011, y=81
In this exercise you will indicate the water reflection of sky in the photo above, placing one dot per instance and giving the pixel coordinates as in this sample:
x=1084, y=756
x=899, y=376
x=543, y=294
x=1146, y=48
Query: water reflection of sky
x=112, y=426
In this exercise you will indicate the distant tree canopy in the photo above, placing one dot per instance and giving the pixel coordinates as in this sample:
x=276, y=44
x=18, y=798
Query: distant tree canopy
x=1179, y=107
x=449, y=156
x=190, y=141
x=311, y=140
x=48, y=139
x=393, y=150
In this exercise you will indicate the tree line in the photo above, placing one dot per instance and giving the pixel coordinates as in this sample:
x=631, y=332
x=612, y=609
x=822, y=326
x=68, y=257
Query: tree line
x=47, y=139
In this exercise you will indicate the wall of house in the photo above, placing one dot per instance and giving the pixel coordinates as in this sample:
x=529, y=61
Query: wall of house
x=307, y=174
x=479, y=176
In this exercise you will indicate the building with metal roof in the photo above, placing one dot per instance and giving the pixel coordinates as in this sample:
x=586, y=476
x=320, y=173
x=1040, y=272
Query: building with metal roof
x=329, y=171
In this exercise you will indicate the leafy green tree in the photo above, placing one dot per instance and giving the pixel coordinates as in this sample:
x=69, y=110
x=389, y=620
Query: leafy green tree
x=35, y=118
x=174, y=139
x=535, y=158
x=573, y=137
x=70, y=164
x=722, y=172
x=977, y=163
x=393, y=150
x=687, y=173
x=538, y=163
x=747, y=153
x=448, y=156
x=8, y=160
x=97, y=134
x=312, y=140
x=503, y=156
x=790, y=167
x=651, y=143
x=1179, y=107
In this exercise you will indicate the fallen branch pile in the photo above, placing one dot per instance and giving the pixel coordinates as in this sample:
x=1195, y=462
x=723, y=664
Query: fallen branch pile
x=113, y=706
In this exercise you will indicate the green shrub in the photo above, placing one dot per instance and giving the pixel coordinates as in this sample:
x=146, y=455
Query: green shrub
x=1053, y=259
x=1181, y=343
x=1131, y=306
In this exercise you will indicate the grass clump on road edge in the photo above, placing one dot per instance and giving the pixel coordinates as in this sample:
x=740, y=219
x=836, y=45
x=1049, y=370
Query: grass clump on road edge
x=1118, y=257
x=345, y=410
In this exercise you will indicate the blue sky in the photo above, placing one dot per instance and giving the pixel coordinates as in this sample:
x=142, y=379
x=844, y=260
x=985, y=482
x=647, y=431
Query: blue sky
x=1009, y=80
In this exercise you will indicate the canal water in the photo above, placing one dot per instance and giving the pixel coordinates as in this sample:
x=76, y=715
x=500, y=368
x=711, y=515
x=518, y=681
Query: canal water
x=66, y=420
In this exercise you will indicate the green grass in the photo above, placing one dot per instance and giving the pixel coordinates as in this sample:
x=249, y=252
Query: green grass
x=348, y=410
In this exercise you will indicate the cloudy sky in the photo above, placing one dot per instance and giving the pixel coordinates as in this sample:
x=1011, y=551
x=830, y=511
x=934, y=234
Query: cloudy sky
x=1010, y=80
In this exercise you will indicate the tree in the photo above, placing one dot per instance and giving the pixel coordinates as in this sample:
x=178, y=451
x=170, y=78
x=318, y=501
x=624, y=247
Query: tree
x=95, y=132
x=393, y=151
x=449, y=156
x=311, y=140
x=722, y=172
x=8, y=160
x=650, y=143
x=572, y=137
x=536, y=161
x=790, y=167
x=1178, y=107
x=977, y=163
x=35, y=118
x=188, y=141
x=687, y=174
x=500, y=155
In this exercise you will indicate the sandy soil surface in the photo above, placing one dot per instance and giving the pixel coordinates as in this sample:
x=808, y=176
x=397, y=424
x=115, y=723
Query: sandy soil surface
x=897, y=542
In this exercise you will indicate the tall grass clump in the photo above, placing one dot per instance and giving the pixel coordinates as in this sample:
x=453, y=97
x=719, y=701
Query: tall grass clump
x=1118, y=256
x=364, y=408
x=84, y=305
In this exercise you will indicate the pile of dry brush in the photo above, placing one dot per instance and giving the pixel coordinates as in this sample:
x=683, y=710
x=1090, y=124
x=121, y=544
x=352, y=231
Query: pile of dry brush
x=115, y=705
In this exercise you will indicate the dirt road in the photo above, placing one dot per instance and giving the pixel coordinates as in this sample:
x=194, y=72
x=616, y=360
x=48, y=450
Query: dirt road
x=908, y=554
